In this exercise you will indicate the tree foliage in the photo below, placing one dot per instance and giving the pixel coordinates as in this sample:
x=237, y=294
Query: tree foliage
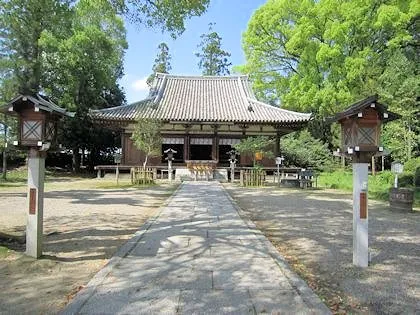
x=166, y=15
x=321, y=56
x=162, y=62
x=22, y=23
x=83, y=69
x=213, y=59
x=73, y=51
x=303, y=150
x=147, y=138
x=252, y=145
x=399, y=86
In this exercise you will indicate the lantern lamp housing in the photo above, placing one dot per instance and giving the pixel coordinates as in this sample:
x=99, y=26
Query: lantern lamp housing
x=361, y=126
x=170, y=154
x=38, y=117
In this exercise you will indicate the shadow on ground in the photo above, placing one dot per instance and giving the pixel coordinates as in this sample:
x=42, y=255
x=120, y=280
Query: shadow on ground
x=314, y=228
x=82, y=230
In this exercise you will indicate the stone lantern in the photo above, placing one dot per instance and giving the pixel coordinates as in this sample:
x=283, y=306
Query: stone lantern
x=360, y=140
x=37, y=130
x=170, y=157
x=232, y=159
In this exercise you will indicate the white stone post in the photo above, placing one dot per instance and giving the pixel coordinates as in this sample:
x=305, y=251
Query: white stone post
x=34, y=226
x=117, y=174
x=232, y=171
x=360, y=215
x=170, y=170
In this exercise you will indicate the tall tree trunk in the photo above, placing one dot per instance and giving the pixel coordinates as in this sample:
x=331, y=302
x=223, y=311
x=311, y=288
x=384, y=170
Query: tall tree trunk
x=4, y=176
x=76, y=160
x=93, y=159
x=145, y=161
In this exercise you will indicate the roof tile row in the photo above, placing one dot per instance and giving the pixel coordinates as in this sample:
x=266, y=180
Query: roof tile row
x=201, y=98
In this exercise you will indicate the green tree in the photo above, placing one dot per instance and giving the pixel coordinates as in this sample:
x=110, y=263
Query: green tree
x=147, y=138
x=8, y=87
x=399, y=87
x=213, y=59
x=162, y=62
x=22, y=23
x=83, y=70
x=320, y=56
x=252, y=145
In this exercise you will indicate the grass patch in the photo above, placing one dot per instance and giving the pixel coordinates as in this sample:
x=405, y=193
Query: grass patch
x=114, y=185
x=378, y=185
x=4, y=252
x=16, y=177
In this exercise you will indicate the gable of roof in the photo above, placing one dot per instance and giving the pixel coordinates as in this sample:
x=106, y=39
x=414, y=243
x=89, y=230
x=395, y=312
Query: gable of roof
x=41, y=101
x=360, y=105
x=201, y=99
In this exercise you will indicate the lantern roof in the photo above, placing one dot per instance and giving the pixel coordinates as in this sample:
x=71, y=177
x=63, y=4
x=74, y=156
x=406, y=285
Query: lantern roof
x=42, y=102
x=369, y=102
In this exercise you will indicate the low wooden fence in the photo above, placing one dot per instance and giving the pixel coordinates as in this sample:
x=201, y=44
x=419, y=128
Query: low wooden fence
x=142, y=176
x=252, y=177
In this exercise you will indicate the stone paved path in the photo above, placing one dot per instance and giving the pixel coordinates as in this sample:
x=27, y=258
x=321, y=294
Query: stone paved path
x=197, y=257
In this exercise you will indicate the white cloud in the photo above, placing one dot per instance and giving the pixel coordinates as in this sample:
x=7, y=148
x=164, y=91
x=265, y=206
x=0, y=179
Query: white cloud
x=140, y=85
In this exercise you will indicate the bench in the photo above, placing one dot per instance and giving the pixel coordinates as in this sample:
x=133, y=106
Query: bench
x=302, y=179
x=306, y=179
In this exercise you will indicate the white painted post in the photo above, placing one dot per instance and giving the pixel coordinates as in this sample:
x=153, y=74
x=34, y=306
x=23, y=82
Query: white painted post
x=360, y=224
x=396, y=181
x=34, y=226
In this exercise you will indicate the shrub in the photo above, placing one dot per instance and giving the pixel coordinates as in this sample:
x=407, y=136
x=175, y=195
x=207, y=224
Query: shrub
x=301, y=149
x=405, y=180
x=412, y=165
x=412, y=171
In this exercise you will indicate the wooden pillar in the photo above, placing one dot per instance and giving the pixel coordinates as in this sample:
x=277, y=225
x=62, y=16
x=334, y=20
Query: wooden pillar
x=277, y=145
x=215, y=148
x=123, y=147
x=186, y=147
x=373, y=166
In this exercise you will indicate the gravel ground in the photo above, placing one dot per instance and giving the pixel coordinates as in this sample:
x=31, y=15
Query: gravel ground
x=83, y=227
x=313, y=230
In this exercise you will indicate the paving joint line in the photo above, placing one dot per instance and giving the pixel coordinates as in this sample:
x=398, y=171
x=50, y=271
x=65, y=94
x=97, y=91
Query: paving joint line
x=308, y=296
x=84, y=295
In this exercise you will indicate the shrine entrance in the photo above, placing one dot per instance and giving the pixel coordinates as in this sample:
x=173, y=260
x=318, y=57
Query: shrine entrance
x=201, y=149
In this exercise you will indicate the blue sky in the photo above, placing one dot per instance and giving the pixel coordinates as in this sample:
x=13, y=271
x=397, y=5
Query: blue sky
x=231, y=18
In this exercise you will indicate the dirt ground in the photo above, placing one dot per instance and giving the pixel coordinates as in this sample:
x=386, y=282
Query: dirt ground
x=83, y=227
x=313, y=230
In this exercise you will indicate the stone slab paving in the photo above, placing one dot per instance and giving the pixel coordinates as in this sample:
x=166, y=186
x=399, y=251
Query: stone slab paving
x=198, y=256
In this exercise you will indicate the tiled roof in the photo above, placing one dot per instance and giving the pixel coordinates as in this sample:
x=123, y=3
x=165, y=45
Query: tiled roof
x=201, y=99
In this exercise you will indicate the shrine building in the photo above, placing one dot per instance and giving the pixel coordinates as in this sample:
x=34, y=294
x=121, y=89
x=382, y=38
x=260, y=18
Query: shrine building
x=202, y=118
